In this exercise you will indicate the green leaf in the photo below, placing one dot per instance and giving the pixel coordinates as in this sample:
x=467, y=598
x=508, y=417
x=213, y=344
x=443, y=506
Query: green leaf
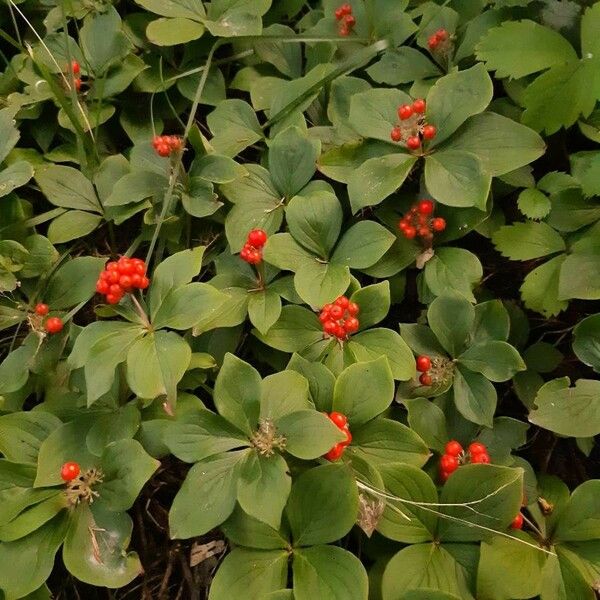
x=540, y=288
x=415, y=486
x=402, y=65
x=421, y=339
x=425, y=566
x=68, y=188
x=428, y=421
x=495, y=493
x=9, y=134
x=308, y=433
x=524, y=241
x=264, y=487
x=451, y=319
x=534, y=204
x=457, y=178
x=566, y=410
x=42, y=255
x=175, y=8
x=250, y=574
x=542, y=357
x=95, y=547
x=217, y=168
x=14, y=176
x=318, y=283
x=126, y=468
x=102, y=41
x=156, y=363
x=374, y=303
x=519, y=48
x=296, y=329
x=33, y=517
x=171, y=32
x=453, y=270
x=72, y=225
x=383, y=442
x=580, y=519
x=74, y=282
x=586, y=341
x=283, y=393
x=501, y=555
x=474, y=396
x=207, y=496
x=322, y=506
x=492, y=322
x=237, y=393
x=497, y=360
x=371, y=344
x=328, y=573
x=377, y=178
x=14, y=369
x=120, y=424
x=314, y=220
x=286, y=58
x=292, y=147
x=362, y=245
x=456, y=97
x=501, y=144
x=244, y=530
x=135, y=187
x=284, y=252
x=22, y=433
x=364, y=390
x=177, y=270
x=558, y=97
x=320, y=381
x=234, y=126
x=264, y=308
x=374, y=113
x=578, y=274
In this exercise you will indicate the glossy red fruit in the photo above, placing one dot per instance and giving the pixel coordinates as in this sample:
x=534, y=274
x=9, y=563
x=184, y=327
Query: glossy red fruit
x=444, y=476
x=419, y=106
x=405, y=112
x=410, y=232
x=77, y=83
x=353, y=309
x=330, y=327
x=324, y=317
x=338, y=13
x=111, y=266
x=423, y=363
x=482, y=459
x=517, y=522
x=423, y=232
x=336, y=312
x=477, y=448
x=343, y=302
x=429, y=132
x=453, y=448
x=335, y=453
x=144, y=283
x=402, y=225
x=54, y=325
x=351, y=325
x=433, y=42
x=441, y=34
x=340, y=332
x=75, y=67
x=326, y=308
x=350, y=21
x=339, y=419
x=346, y=9
x=425, y=207
x=113, y=298
x=425, y=379
x=438, y=224
x=396, y=134
x=42, y=309
x=102, y=287
x=70, y=471
x=163, y=150
x=413, y=142
x=449, y=463
x=257, y=238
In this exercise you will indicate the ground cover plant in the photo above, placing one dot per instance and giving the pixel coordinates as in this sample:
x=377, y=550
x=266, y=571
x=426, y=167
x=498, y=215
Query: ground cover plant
x=298, y=299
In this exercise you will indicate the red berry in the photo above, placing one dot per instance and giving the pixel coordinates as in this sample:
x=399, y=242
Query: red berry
x=70, y=471
x=405, y=112
x=54, y=325
x=136, y=280
x=438, y=224
x=346, y=9
x=339, y=13
x=336, y=452
x=102, y=287
x=433, y=42
x=257, y=238
x=174, y=142
x=339, y=419
x=343, y=302
x=429, y=132
x=425, y=207
x=75, y=67
x=353, y=309
x=144, y=283
x=402, y=225
x=410, y=232
x=396, y=134
x=453, y=448
x=424, y=232
x=113, y=299
x=344, y=31
x=441, y=34
x=444, y=476
x=423, y=363
x=324, y=317
x=517, y=522
x=419, y=106
x=413, y=142
x=449, y=463
x=77, y=83
x=336, y=312
x=351, y=325
x=483, y=459
x=125, y=282
x=477, y=448
x=156, y=141
x=115, y=289
x=111, y=266
x=425, y=379
x=330, y=327
x=350, y=21
x=42, y=309
x=112, y=277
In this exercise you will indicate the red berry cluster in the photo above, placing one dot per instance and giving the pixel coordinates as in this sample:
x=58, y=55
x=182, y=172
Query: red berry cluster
x=517, y=522
x=455, y=456
x=339, y=319
x=53, y=324
x=423, y=366
x=347, y=20
x=418, y=221
x=120, y=277
x=439, y=40
x=70, y=471
x=164, y=145
x=76, y=70
x=252, y=250
x=341, y=422
x=413, y=128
